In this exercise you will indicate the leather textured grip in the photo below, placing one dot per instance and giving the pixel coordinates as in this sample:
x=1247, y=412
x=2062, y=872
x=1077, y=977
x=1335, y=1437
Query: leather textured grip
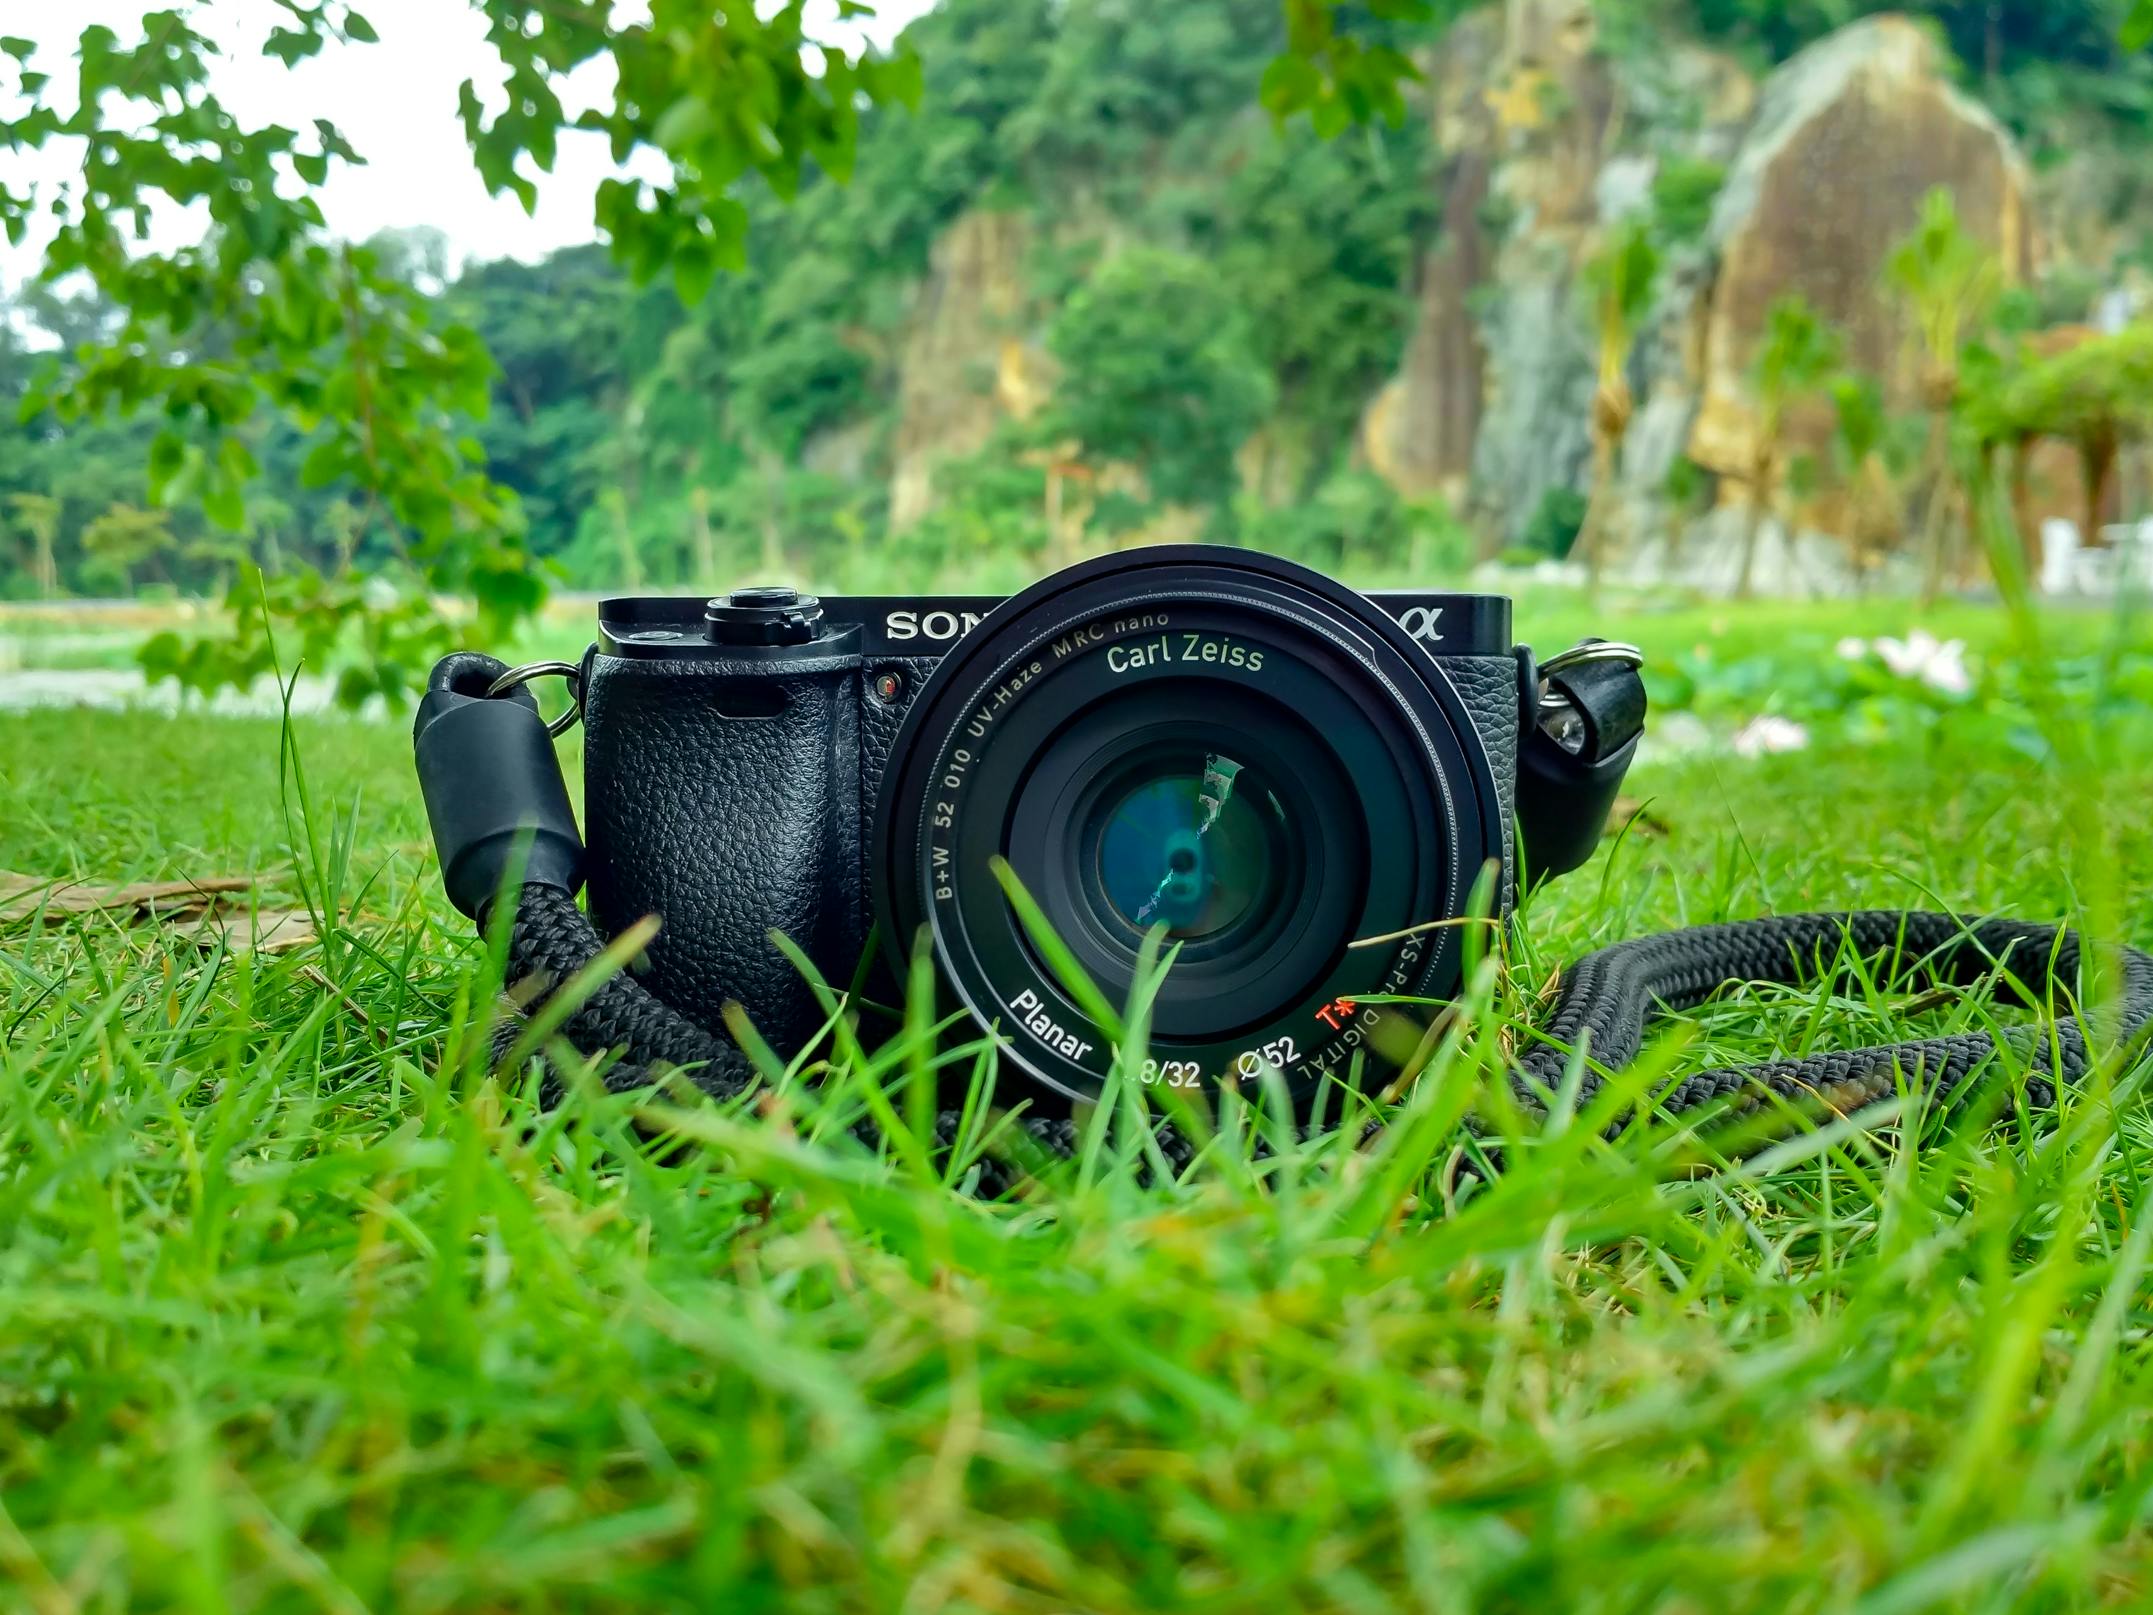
x=1488, y=685
x=728, y=827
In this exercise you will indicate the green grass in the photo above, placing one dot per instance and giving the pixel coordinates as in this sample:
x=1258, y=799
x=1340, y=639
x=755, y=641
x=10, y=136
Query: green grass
x=299, y=1310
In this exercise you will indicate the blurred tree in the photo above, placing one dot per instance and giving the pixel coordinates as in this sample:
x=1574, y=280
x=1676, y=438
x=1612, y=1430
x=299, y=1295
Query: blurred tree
x=222, y=552
x=1158, y=375
x=1317, y=242
x=568, y=337
x=123, y=538
x=1869, y=462
x=36, y=516
x=1340, y=76
x=1622, y=279
x=2091, y=390
x=1798, y=356
x=1950, y=284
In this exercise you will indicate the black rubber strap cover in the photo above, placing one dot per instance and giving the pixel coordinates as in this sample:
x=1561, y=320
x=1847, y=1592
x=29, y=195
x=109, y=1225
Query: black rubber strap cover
x=493, y=788
x=1565, y=798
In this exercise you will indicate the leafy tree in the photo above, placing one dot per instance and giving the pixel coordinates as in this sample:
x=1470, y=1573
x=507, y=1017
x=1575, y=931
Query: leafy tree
x=1122, y=78
x=1870, y=462
x=124, y=537
x=1950, y=284
x=2095, y=394
x=569, y=338
x=1158, y=375
x=270, y=318
x=1357, y=522
x=1797, y=357
x=1356, y=74
x=1317, y=242
x=36, y=516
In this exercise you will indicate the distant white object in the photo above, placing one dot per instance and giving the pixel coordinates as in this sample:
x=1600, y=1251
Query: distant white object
x=2059, y=556
x=1770, y=736
x=1938, y=663
x=2122, y=564
x=2129, y=557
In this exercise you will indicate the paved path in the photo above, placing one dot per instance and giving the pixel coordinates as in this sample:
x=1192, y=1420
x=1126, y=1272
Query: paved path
x=120, y=691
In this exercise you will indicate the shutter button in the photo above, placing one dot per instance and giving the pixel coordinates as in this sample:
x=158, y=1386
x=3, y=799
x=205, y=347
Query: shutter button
x=763, y=616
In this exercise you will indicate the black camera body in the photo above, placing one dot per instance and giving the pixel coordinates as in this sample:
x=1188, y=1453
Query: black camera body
x=1305, y=796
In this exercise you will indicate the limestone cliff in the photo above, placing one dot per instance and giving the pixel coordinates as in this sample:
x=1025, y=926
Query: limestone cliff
x=964, y=367
x=1849, y=139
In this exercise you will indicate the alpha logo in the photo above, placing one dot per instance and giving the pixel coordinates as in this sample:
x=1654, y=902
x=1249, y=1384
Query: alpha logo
x=940, y=626
x=1421, y=621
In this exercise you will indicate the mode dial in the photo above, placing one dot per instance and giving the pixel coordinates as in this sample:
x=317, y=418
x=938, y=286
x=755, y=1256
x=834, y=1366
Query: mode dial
x=771, y=615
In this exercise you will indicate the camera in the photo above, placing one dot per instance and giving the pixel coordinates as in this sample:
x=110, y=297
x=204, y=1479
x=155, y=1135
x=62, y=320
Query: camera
x=1306, y=797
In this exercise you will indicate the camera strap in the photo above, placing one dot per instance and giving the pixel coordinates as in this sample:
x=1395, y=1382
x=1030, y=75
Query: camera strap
x=498, y=805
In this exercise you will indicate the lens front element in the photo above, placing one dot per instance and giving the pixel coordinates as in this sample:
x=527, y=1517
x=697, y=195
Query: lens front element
x=1195, y=850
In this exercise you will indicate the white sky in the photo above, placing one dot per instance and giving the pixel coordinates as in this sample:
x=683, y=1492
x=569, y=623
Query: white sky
x=394, y=101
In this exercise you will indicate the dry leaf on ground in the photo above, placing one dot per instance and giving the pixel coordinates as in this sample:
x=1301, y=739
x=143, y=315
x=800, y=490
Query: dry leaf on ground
x=265, y=930
x=24, y=896
x=212, y=910
x=1632, y=817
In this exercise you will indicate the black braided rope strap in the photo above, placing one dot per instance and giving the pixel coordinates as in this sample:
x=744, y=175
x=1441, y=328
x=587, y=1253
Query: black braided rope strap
x=1606, y=1005
x=1608, y=999
x=551, y=940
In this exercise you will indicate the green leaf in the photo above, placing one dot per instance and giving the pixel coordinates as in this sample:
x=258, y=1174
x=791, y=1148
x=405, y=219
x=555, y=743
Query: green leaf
x=695, y=267
x=168, y=455
x=1289, y=84
x=162, y=656
x=358, y=29
x=224, y=503
x=290, y=46
x=683, y=124
x=2138, y=26
x=324, y=464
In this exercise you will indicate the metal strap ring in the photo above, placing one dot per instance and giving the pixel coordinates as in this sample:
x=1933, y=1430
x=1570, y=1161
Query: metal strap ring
x=1596, y=650
x=517, y=677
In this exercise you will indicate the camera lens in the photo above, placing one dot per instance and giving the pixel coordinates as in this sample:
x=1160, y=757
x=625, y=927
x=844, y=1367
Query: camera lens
x=1221, y=751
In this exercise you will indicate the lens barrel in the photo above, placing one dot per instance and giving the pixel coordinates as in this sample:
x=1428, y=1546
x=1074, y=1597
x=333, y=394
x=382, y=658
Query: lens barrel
x=1216, y=747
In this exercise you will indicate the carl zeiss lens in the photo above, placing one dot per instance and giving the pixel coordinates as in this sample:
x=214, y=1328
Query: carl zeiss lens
x=1213, y=754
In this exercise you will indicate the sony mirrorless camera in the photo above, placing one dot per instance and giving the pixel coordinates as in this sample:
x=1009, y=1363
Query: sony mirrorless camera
x=1306, y=797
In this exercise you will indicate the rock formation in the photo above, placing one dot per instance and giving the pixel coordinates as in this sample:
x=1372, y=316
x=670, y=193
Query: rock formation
x=1827, y=168
x=964, y=366
x=1850, y=137
x=1548, y=138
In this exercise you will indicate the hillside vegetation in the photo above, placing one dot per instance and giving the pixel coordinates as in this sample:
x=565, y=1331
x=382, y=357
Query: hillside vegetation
x=1183, y=309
